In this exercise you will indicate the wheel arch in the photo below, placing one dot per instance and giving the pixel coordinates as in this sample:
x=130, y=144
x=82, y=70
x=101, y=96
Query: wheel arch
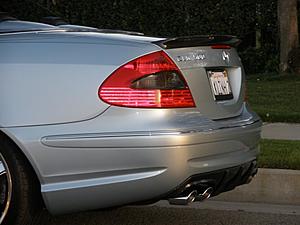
x=27, y=159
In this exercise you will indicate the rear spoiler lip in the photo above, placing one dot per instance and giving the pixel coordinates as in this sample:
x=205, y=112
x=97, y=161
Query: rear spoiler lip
x=198, y=40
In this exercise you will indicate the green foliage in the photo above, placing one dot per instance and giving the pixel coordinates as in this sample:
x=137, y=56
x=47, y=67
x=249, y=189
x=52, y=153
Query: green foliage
x=157, y=17
x=170, y=18
x=259, y=60
x=275, y=98
x=279, y=154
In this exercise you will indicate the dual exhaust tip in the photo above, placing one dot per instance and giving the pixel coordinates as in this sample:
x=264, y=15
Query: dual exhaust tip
x=193, y=196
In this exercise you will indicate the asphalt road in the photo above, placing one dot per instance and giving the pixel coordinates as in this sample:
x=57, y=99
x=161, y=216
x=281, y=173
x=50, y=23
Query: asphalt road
x=156, y=215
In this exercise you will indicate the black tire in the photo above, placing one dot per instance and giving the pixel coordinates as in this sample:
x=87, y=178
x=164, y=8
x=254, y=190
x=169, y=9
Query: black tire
x=25, y=203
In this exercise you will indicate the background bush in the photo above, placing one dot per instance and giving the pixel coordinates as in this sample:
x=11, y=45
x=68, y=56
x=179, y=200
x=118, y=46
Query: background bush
x=253, y=21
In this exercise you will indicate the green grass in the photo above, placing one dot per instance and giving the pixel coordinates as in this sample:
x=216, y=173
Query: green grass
x=275, y=98
x=279, y=154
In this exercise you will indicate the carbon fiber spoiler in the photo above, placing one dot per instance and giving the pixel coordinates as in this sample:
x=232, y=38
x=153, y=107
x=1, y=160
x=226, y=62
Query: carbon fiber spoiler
x=199, y=40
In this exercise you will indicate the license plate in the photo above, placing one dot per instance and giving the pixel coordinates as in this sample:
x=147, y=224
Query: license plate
x=220, y=85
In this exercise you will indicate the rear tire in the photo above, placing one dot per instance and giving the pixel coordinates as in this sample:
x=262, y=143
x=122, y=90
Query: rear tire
x=19, y=194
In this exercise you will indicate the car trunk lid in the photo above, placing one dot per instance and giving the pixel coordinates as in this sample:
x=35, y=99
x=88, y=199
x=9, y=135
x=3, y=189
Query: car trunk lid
x=213, y=71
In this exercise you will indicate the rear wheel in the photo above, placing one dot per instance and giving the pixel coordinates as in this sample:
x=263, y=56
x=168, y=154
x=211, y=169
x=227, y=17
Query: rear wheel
x=5, y=188
x=19, y=197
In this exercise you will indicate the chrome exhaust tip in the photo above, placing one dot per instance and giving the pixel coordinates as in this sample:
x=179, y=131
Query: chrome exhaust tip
x=205, y=195
x=191, y=197
x=185, y=200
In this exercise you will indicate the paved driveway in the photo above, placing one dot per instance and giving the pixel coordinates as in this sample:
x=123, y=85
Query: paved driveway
x=155, y=215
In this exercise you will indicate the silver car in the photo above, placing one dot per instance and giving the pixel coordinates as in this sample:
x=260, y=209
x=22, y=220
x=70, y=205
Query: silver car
x=93, y=118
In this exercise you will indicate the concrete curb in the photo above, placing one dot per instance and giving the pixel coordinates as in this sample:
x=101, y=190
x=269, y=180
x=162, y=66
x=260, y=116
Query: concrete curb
x=281, y=131
x=271, y=186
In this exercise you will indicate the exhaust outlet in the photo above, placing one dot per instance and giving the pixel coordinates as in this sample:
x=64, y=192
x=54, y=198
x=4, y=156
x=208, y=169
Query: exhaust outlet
x=185, y=200
x=205, y=195
x=191, y=197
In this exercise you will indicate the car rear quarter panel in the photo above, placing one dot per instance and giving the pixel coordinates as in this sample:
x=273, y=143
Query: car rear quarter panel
x=52, y=80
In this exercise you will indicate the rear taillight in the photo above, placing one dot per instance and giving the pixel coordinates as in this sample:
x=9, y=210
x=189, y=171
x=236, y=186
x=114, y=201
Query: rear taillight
x=220, y=46
x=150, y=81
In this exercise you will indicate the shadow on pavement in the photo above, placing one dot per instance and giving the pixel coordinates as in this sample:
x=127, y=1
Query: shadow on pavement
x=168, y=216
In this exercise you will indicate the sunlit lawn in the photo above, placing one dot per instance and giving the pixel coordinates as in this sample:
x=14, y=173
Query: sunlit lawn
x=280, y=154
x=275, y=98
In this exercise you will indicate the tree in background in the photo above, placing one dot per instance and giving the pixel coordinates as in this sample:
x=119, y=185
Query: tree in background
x=288, y=31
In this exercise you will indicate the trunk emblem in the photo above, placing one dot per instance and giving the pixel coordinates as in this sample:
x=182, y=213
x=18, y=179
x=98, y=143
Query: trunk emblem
x=225, y=56
x=191, y=57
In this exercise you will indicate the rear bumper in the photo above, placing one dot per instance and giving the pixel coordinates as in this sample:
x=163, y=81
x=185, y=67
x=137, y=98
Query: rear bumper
x=81, y=168
x=155, y=170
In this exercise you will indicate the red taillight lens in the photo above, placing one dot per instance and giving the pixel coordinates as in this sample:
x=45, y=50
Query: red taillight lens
x=151, y=81
x=221, y=47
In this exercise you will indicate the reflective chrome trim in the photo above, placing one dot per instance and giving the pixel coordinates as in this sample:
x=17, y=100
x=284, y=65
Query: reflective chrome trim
x=7, y=184
x=145, y=139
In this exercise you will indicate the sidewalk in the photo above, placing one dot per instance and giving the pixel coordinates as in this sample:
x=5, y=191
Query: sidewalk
x=281, y=131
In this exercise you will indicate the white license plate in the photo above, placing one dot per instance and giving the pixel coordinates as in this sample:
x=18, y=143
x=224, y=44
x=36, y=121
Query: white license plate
x=220, y=85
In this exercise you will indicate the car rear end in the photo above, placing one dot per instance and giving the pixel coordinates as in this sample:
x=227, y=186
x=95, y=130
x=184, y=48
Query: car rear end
x=153, y=119
x=199, y=93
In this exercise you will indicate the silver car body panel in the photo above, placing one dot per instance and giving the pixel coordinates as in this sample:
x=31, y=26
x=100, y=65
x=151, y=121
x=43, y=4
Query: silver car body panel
x=88, y=154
